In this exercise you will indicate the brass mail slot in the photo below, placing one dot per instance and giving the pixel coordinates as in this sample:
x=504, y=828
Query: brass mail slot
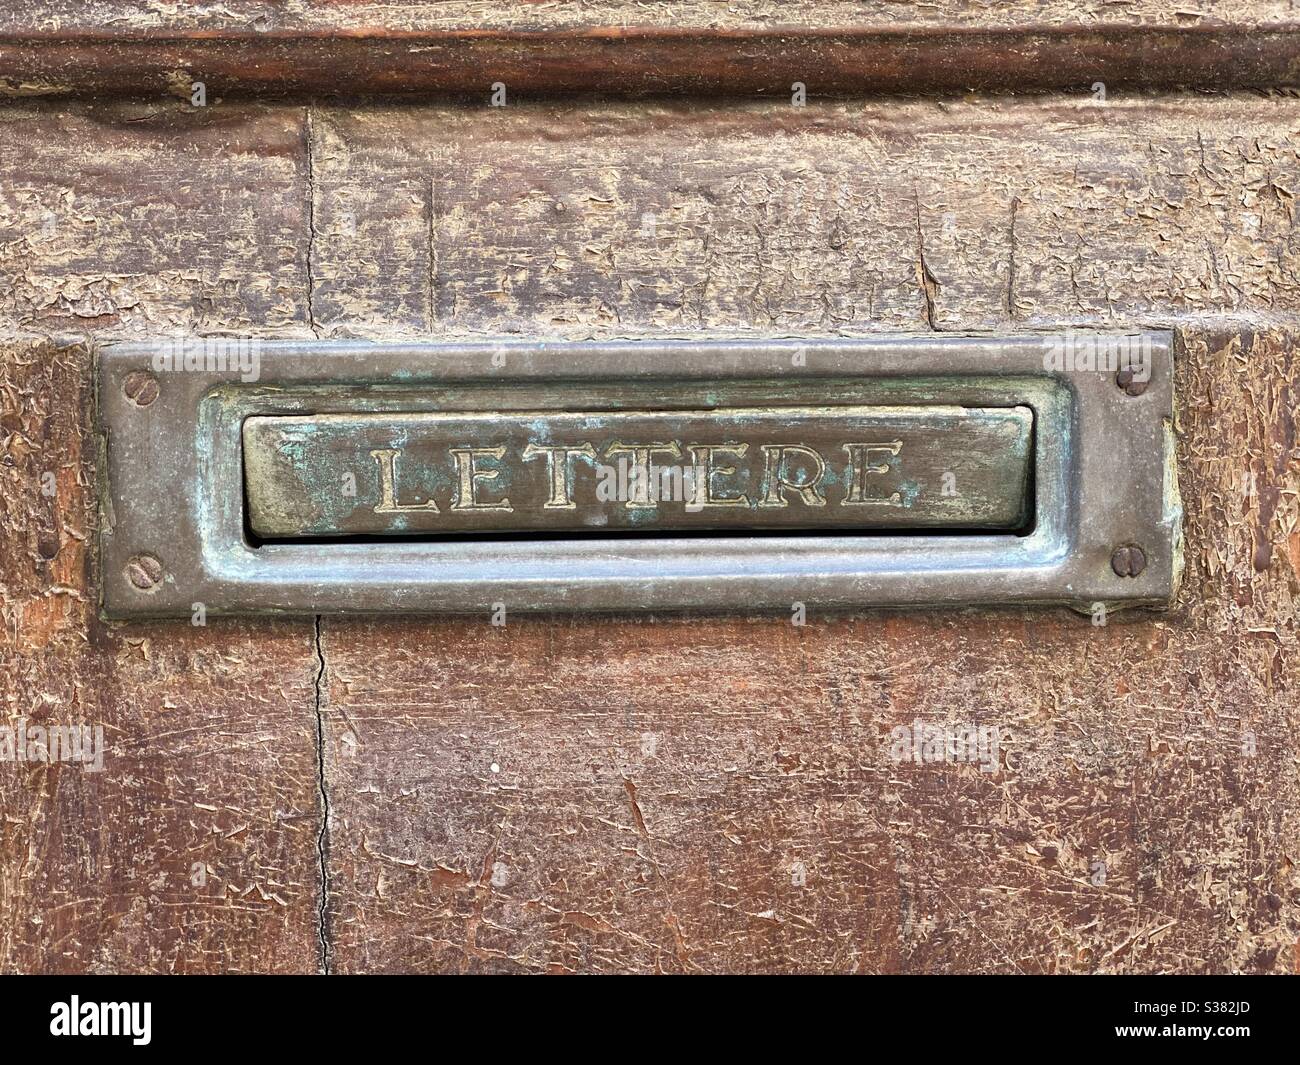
x=338, y=477
x=862, y=467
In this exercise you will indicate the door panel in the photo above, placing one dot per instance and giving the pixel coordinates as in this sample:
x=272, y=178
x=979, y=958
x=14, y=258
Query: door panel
x=635, y=792
x=718, y=794
x=195, y=849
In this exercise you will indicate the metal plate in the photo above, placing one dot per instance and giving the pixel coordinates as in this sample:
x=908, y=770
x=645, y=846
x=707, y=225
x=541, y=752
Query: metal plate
x=338, y=475
x=1104, y=528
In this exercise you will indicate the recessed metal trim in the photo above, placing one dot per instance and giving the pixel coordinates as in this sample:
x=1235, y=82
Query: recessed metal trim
x=176, y=527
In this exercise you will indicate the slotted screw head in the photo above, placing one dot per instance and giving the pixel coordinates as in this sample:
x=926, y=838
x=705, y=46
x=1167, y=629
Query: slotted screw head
x=1126, y=380
x=1128, y=561
x=144, y=571
x=141, y=387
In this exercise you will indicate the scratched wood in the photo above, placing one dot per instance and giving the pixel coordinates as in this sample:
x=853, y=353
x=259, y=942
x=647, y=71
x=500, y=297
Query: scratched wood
x=718, y=794
x=196, y=848
x=114, y=16
x=846, y=219
x=642, y=794
x=58, y=47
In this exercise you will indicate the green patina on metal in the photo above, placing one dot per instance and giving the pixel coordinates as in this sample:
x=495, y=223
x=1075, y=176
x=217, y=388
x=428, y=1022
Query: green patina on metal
x=849, y=467
x=1093, y=483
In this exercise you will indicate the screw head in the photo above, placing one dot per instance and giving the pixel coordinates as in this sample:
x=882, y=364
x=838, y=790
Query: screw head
x=1128, y=561
x=144, y=571
x=141, y=387
x=1127, y=381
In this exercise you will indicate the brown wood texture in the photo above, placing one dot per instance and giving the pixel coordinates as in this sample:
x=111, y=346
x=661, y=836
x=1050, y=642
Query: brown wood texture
x=196, y=848
x=56, y=47
x=350, y=16
x=659, y=793
x=717, y=794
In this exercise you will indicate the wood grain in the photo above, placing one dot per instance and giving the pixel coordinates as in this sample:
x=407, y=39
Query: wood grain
x=353, y=16
x=146, y=219
x=718, y=794
x=57, y=48
x=836, y=219
x=658, y=793
x=196, y=848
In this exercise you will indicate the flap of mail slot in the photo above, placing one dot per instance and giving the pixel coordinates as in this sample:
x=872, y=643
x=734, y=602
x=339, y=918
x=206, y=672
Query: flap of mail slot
x=853, y=467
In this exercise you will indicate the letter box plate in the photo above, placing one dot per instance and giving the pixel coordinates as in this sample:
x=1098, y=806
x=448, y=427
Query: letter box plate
x=331, y=477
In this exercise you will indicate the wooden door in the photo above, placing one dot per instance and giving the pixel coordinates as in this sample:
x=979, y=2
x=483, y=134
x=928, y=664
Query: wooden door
x=638, y=792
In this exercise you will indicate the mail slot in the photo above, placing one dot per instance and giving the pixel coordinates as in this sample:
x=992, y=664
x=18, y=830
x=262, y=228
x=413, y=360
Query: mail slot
x=338, y=475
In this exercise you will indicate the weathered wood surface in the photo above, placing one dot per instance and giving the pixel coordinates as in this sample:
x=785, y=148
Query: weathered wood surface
x=117, y=16
x=139, y=219
x=717, y=794
x=836, y=219
x=196, y=848
x=661, y=793
x=56, y=47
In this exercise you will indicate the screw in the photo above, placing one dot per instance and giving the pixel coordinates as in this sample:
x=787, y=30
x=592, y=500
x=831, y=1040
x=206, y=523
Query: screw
x=1128, y=561
x=141, y=387
x=1125, y=379
x=144, y=571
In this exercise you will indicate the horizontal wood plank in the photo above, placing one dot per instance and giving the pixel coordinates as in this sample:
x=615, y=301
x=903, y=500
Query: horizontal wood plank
x=835, y=219
x=351, y=16
x=78, y=56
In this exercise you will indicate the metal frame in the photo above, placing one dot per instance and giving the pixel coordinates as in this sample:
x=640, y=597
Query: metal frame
x=1104, y=478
